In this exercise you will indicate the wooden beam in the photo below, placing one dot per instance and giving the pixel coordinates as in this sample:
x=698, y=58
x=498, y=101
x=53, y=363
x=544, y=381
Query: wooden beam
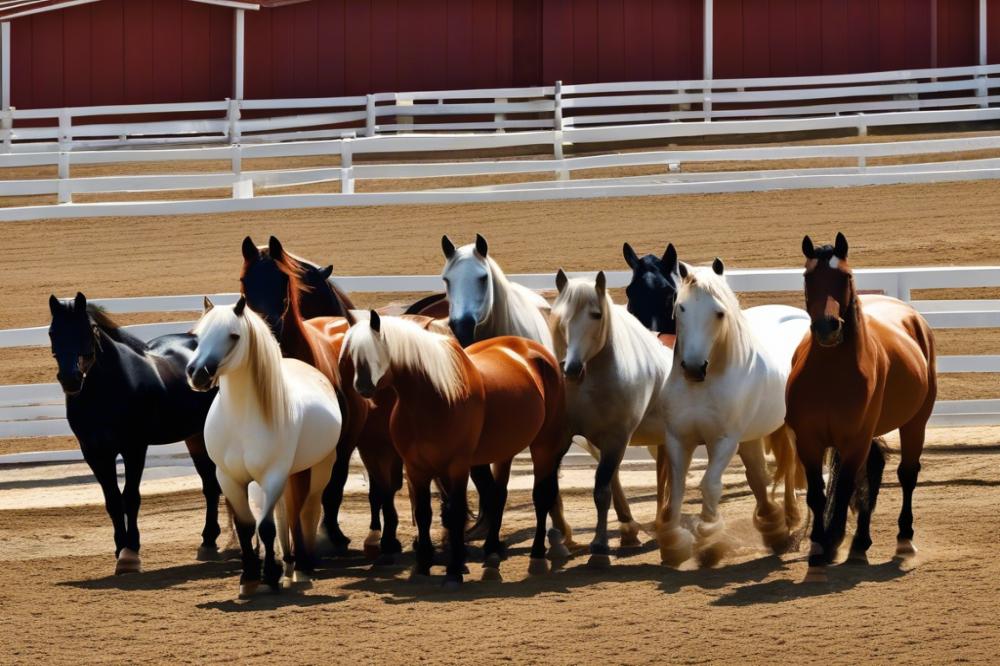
x=4, y=65
x=239, y=50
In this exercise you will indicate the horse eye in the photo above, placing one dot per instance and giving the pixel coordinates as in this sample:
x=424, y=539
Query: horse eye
x=595, y=315
x=720, y=315
x=681, y=308
x=234, y=336
x=482, y=279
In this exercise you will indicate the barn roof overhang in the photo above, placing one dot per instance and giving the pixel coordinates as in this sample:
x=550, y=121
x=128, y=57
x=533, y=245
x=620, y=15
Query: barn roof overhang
x=12, y=9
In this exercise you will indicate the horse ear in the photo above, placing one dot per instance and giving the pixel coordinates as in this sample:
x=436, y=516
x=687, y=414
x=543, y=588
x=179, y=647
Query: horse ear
x=206, y=304
x=325, y=273
x=840, y=246
x=80, y=302
x=601, y=283
x=274, y=247
x=54, y=305
x=241, y=306
x=250, y=251
x=481, y=246
x=718, y=266
x=808, y=249
x=669, y=259
x=447, y=246
x=682, y=269
x=561, y=280
x=376, y=321
x=630, y=257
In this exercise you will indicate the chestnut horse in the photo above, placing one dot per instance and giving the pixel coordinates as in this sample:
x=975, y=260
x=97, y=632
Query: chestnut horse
x=454, y=411
x=866, y=368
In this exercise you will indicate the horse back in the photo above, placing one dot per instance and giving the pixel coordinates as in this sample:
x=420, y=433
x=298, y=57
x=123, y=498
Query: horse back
x=520, y=377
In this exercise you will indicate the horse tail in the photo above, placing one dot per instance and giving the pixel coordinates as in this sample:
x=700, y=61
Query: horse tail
x=788, y=468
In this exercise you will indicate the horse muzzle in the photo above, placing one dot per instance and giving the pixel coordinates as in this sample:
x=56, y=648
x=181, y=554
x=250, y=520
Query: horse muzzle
x=828, y=332
x=574, y=371
x=71, y=385
x=464, y=330
x=695, y=373
x=201, y=379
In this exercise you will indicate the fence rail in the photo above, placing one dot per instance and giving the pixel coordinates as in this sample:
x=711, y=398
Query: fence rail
x=35, y=410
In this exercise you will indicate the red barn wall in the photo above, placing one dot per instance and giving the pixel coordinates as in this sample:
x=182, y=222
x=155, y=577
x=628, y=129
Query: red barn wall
x=136, y=51
x=122, y=52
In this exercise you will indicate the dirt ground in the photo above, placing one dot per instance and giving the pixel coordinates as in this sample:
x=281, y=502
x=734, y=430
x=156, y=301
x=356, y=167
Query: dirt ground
x=61, y=603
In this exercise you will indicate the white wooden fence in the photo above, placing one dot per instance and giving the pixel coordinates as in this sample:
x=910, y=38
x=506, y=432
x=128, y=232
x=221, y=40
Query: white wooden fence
x=37, y=410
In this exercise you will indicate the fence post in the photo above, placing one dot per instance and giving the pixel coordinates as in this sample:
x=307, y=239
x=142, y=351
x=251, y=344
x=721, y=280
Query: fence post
x=557, y=133
x=346, y=164
x=65, y=130
x=233, y=117
x=236, y=158
x=64, y=193
x=498, y=118
x=370, y=115
x=7, y=128
x=862, y=125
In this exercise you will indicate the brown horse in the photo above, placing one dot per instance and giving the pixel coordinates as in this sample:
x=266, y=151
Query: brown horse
x=866, y=368
x=456, y=409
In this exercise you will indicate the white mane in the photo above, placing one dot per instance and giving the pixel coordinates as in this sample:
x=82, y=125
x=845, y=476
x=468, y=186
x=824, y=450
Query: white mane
x=635, y=347
x=736, y=336
x=517, y=310
x=411, y=347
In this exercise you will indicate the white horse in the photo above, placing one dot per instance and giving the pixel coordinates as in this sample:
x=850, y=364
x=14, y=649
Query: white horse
x=274, y=420
x=727, y=391
x=616, y=373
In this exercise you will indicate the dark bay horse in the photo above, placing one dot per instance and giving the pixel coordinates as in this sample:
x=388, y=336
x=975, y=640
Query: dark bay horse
x=122, y=396
x=652, y=289
x=866, y=368
x=453, y=412
x=278, y=285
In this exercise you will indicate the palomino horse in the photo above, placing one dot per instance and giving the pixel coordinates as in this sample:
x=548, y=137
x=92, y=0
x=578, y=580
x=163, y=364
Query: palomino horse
x=273, y=418
x=453, y=412
x=616, y=372
x=123, y=395
x=726, y=391
x=866, y=368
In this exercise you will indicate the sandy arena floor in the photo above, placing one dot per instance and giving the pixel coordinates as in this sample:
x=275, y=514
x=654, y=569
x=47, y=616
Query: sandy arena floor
x=60, y=604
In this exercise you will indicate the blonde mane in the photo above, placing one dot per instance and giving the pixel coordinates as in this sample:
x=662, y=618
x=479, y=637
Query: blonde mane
x=411, y=347
x=735, y=343
x=516, y=309
x=263, y=360
x=635, y=347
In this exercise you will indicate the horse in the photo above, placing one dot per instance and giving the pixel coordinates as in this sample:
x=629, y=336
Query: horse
x=122, y=396
x=275, y=421
x=865, y=368
x=726, y=391
x=616, y=372
x=453, y=413
x=652, y=290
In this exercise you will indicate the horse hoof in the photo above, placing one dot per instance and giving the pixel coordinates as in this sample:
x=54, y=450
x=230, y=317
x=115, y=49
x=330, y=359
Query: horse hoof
x=208, y=554
x=286, y=583
x=676, y=546
x=491, y=575
x=452, y=582
x=372, y=551
x=538, y=566
x=302, y=578
x=857, y=557
x=773, y=528
x=904, y=549
x=558, y=552
x=248, y=588
x=630, y=536
x=710, y=554
x=599, y=562
x=128, y=562
x=816, y=575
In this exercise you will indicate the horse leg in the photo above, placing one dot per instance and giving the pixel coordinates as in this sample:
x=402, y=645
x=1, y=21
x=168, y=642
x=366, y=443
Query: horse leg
x=333, y=496
x=867, y=496
x=458, y=513
x=628, y=528
x=316, y=480
x=911, y=439
x=662, y=477
x=675, y=541
x=488, y=501
x=236, y=494
x=486, y=487
x=135, y=462
x=710, y=543
x=843, y=490
x=296, y=491
x=104, y=467
x=768, y=516
x=376, y=496
x=545, y=459
x=391, y=480
x=812, y=461
x=420, y=493
x=611, y=456
x=209, y=549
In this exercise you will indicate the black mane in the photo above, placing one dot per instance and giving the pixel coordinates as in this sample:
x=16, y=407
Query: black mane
x=111, y=328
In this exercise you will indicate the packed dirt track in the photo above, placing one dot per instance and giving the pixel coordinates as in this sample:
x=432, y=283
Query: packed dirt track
x=62, y=604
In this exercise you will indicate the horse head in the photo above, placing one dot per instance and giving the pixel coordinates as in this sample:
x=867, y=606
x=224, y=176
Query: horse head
x=705, y=311
x=468, y=280
x=222, y=343
x=829, y=286
x=580, y=316
x=75, y=341
x=653, y=287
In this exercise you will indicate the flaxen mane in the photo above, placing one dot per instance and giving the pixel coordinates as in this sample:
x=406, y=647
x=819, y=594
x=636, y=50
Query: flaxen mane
x=735, y=343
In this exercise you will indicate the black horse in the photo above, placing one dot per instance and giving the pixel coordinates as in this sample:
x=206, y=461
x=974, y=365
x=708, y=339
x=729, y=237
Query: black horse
x=653, y=288
x=123, y=395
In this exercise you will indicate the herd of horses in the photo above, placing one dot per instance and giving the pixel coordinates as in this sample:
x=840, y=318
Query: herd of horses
x=283, y=387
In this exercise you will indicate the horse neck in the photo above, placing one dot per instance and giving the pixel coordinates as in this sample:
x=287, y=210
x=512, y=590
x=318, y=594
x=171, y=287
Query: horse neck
x=857, y=341
x=415, y=393
x=295, y=342
x=236, y=388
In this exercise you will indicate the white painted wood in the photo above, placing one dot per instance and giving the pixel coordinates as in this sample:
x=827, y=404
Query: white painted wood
x=983, y=41
x=5, y=67
x=708, y=49
x=239, y=49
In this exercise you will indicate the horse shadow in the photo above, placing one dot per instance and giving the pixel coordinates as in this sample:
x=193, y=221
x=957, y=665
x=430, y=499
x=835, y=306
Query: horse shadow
x=157, y=579
x=841, y=578
x=268, y=601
